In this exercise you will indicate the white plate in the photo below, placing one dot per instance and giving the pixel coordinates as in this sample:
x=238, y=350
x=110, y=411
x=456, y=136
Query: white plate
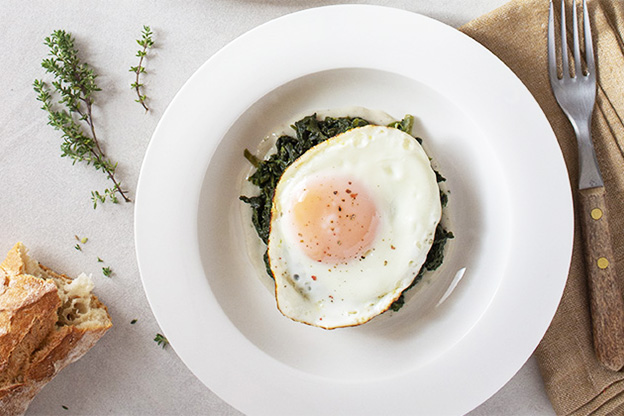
x=510, y=209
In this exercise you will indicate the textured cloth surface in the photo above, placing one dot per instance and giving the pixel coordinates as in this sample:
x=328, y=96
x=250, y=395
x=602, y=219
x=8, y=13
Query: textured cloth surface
x=516, y=32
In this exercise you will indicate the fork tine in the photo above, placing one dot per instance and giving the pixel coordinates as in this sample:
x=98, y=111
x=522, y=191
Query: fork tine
x=589, y=48
x=552, y=53
x=578, y=70
x=564, y=42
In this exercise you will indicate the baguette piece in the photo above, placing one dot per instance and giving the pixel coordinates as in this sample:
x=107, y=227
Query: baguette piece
x=47, y=321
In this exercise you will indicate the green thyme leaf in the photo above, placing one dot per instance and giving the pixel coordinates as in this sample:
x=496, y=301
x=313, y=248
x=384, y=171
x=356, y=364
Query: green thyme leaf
x=161, y=340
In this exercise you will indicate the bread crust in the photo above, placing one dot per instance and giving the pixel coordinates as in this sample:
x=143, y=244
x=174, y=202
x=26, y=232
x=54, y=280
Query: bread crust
x=34, y=344
x=28, y=308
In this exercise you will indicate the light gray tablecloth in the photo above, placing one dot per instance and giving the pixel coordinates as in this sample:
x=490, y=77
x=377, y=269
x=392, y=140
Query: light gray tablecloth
x=45, y=201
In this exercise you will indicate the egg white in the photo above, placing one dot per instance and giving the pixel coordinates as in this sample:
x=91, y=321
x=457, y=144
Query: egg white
x=398, y=175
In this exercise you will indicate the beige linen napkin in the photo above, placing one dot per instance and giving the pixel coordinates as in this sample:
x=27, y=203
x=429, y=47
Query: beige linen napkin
x=516, y=33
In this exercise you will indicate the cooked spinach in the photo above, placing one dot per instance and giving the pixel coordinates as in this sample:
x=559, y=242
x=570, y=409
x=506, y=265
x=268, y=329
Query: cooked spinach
x=310, y=131
x=433, y=261
x=405, y=125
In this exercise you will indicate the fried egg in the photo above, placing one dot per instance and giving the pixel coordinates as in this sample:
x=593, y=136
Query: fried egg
x=352, y=222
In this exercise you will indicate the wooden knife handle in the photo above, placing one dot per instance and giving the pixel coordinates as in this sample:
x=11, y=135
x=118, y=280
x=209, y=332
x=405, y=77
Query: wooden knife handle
x=605, y=295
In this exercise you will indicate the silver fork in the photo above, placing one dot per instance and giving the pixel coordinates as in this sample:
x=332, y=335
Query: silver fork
x=576, y=95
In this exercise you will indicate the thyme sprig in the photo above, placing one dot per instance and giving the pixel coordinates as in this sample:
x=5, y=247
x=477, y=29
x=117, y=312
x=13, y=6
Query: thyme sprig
x=74, y=82
x=146, y=42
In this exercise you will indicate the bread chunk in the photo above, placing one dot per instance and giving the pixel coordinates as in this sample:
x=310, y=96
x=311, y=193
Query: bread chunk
x=47, y=321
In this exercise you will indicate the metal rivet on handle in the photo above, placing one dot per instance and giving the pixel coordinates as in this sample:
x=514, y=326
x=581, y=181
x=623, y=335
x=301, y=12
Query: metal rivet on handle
x=596, y=213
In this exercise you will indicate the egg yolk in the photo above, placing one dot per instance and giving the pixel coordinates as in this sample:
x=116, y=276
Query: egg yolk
x=335, y=220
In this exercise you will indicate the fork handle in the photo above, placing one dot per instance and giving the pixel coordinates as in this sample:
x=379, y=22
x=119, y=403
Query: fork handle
x=606, y=301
